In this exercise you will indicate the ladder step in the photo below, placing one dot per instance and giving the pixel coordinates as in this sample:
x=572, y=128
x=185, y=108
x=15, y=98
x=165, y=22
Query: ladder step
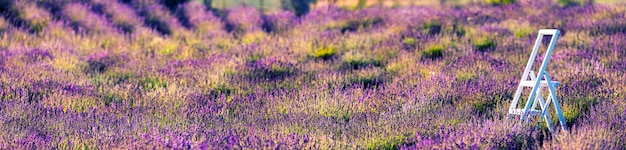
x=543, y=83
x=521, y=111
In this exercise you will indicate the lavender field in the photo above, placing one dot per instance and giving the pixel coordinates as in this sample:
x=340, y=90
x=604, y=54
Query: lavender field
x=144, y=74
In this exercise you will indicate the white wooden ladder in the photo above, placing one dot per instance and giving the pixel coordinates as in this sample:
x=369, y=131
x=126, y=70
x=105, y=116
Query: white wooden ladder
x=538, y=82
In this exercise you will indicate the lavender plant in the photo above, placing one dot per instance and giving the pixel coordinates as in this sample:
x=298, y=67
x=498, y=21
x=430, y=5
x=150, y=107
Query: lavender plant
x=144, y=74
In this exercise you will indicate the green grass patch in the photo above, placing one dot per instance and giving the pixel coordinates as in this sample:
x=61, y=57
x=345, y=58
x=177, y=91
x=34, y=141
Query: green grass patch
x=353, y=25
x=483, y=106
x=432, y=52
x=465, y=76
x=221, y=89
x=484, y=44
x=151, y=83
x=521, y=33
x=572, y=112
x=570, y=3
x=267, y=69
x=498, y=2
x=409, y=42
x=395, y=67
x=121, y=77
x=388, y=143
x=273, y=72
x=367, y=79
x=457, y=30
x=358, y=61
x=325, y=53
x=252, y=58
x=431, y=27
x=112, y=98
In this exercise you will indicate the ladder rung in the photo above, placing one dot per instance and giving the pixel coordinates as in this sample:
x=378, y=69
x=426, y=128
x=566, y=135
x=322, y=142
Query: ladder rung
x=548, y=31
x=543, y=83
x=521, y=111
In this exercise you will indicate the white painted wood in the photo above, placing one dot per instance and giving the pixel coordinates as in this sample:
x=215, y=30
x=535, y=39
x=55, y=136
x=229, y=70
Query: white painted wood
x=556, y=104
x=549, y=31
x=543, y=83
x=538, y=82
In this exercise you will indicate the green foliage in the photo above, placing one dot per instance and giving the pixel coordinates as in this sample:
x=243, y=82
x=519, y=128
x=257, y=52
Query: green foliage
x=356, y=24
x=111, y=98
x=96, y=67
x=388, y=143
x=572, y=112
x=382, y=58
x=367, y=80
x=254, y=57
x=221, y=89
x=271, y=73
x=569, y=3
x=121, y=77
x=100, y=63
x=258, y=69
x=409, y=42
x=484, y=106
x=357, y=61
x=433, y=52
x=300, y=7
x=458, y=30
x=277, y=72
x=455, y=29
x=151, y=83
x=361, y=4
x=498, y=2
x=465, y=77
x=395, y=67
x=38, y=26
x=522, y=33
x=325, y=53
x=484, y=44
x=432, y=27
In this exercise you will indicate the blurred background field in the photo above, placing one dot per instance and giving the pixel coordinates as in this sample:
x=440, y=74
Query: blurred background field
x=277, y=4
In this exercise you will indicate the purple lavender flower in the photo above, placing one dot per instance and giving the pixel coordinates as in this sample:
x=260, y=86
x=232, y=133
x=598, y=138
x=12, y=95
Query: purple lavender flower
x=280, y=21
x=244, y=19
x=198, y=17
x=82, y=16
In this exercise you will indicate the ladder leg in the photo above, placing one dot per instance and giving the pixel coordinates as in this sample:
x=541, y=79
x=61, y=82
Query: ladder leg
x=556, y=103
x=559, y=112
x=546, y=116
x=528, y=103
x=546, y=104
x=533, y=78
x=518, y=93
x=538, y=99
